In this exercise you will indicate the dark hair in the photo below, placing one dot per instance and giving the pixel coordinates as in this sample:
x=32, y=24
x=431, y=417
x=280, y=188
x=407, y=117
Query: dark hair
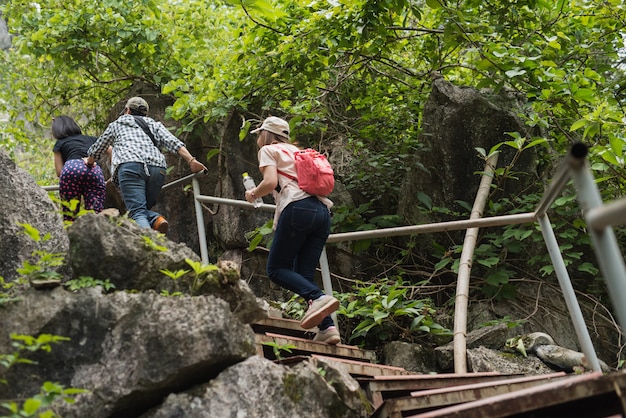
x=139, y=112
x=64, y=126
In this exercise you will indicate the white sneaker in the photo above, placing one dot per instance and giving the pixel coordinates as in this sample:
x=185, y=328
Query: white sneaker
x=318, y=310
x=329, y=336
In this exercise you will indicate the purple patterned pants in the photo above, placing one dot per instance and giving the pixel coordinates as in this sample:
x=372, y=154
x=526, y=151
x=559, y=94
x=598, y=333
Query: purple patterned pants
x=76, y=181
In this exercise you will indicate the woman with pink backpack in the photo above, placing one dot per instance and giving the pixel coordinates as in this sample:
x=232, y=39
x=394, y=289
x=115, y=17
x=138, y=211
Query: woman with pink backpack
x=301, y=227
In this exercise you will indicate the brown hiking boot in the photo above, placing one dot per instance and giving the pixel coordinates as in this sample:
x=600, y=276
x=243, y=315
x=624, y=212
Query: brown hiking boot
x=160, y=225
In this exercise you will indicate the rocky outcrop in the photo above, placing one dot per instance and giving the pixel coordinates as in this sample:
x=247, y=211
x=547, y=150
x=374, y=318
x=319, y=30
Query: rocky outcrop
x=258, y=388
x=127, y=349
x=457, y=120
x=23, y=202
x=5, y=38
x=156, y=344
x=115, y=250
x=143, y=353
x=130, y=257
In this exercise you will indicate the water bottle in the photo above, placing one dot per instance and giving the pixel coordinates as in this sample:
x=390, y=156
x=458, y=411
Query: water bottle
x=248, y=183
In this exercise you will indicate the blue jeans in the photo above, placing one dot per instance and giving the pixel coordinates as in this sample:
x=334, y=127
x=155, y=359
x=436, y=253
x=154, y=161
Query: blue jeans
x=299, y=239
x=140, y=190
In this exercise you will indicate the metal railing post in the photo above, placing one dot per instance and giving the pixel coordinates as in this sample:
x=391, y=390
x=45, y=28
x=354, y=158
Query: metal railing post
x=204, y=252
x=604, y=242
x=328, y=286
x=584, y=339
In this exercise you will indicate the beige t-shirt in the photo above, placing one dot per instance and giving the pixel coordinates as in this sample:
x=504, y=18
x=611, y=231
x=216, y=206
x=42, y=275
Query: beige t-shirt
x=281, y=156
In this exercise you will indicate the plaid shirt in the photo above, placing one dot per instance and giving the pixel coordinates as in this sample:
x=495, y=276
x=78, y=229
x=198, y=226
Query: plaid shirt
x=131, y=144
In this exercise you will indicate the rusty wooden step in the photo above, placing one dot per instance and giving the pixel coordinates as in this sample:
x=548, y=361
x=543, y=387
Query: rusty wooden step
x=590, y=395
x=282, y=326
x=361, y=369
x=426, y=400
x=354, y=367
x=304, y=346
x=380, y=388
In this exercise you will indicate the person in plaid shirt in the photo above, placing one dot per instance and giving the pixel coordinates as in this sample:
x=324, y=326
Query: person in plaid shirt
x=137, y=164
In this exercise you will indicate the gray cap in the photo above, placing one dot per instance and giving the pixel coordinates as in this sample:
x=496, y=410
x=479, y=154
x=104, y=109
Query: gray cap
x=137, y=103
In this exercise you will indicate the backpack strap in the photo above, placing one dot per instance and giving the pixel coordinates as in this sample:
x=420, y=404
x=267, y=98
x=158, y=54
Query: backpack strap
x=143, y=125
x=282, y=172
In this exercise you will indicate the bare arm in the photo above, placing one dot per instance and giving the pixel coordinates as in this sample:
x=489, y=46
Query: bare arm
x=58, y=163
x=269, y=183
x=194, y=165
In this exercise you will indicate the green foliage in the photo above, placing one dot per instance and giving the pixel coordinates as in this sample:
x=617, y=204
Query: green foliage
x=84, y=282
x=174, y=275
x=10, y=290
x=153, y=245
x=510, y=323
x=260, y=235
x=44, y=263
x=278, y=349
x=294, y=308
x=202, y=273
x=387, y=311
x=350, y=219
x=37, y=405
x=353, y=72
x=72, y=208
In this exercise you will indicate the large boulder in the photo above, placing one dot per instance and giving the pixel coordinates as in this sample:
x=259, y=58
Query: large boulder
x=130, y=257
x=116, y=250
x=146, y=355
x=258, y=388
x=22, y=201
x=457, y=120
x=129, y=350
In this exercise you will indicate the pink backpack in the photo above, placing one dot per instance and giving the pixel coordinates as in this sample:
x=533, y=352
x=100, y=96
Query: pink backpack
x=315, y=174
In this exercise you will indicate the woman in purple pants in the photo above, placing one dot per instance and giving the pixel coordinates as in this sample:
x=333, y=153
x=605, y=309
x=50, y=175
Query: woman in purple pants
x=77, y=179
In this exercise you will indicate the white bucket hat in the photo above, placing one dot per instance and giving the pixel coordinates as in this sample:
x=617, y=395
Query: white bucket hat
x=275, y=125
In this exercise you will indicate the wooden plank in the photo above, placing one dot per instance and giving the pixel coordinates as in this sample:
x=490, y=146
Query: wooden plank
x=360, y=368
x=282, y=326
x=380, y=388
x=313, y=347
x=590, y=395
x=438, y=398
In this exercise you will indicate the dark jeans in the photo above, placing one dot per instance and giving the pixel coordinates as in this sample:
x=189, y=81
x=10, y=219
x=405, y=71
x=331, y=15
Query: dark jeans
x=140, y=190
x=299, y=239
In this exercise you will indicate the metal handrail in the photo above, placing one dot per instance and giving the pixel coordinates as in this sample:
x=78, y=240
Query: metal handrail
x=599, y=217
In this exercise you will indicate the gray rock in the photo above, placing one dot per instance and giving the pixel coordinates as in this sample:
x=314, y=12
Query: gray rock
x=412, y=357
x=116, y=249
x=22, y=201
x=490, y=337
x=457, y=120
x=561, y=358
x=5, y=37
x=134, y=258
x=482, y=359
x=128, y=350
x=258, y=388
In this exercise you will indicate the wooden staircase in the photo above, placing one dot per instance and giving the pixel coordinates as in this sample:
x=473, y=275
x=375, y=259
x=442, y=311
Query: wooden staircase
x=396, y=393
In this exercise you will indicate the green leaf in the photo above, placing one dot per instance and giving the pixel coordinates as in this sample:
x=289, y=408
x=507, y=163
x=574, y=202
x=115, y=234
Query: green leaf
x=434, y=4
x=31, y=405
x=31, y=231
